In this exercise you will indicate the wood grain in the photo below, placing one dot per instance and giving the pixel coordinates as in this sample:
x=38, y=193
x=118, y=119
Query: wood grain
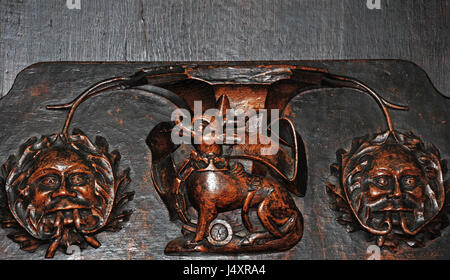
x=193, y=30
x=327, y=120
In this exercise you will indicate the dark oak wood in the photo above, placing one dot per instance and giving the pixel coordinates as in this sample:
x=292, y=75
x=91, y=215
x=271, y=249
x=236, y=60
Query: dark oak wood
x=327, y=119
x=195, y=30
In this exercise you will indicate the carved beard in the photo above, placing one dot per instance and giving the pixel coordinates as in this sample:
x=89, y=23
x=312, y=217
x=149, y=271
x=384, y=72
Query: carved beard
x=64, y=225
x=410, y=210
x=408, y=221
x=405, y=215
x=46, y=225
x=66, y=187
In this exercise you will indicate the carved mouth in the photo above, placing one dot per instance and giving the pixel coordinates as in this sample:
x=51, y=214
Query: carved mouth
x=393, y=205
x=66, y=203
x=65, y=208
x=394, y=209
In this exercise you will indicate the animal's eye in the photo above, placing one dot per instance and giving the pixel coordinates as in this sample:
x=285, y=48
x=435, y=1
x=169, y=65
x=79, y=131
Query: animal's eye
x=382, y=181
x=409, y=181
x=78, y=179
x=49, y=181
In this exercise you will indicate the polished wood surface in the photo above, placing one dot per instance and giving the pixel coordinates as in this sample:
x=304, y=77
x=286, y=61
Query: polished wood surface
x=329, y=113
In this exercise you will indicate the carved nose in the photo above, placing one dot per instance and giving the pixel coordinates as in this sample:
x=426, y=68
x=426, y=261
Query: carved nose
x=397, y=191
x=63, y=191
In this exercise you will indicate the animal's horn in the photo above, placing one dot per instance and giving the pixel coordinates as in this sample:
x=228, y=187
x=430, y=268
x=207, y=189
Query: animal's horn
x=223, y=104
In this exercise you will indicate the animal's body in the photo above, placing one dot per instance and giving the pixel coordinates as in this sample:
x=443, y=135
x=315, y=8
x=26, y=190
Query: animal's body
x=213, y=190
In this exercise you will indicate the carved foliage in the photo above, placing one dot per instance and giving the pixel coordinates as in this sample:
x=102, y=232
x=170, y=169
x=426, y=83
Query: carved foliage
x=63, y=192
x=392, y=187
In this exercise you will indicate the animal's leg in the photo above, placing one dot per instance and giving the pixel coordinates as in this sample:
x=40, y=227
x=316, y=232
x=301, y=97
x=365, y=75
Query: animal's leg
x=205, y=217
x=245, y=210
x=288, y=224
x=264, y=214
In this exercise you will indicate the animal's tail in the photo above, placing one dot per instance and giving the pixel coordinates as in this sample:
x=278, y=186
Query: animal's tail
x=291, y=234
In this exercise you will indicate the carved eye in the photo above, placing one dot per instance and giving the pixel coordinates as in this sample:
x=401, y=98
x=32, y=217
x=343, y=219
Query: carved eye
x=382, y=181
x=78, y=179
x=49, y=181
x=409, y=181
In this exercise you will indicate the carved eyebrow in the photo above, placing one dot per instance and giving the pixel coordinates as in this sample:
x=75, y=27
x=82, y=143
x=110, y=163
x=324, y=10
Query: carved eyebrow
x=411, y=171
x=78, y=168
x=41, y=172
x=380, y=171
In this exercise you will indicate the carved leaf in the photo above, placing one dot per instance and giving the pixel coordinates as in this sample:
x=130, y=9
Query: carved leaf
x=26, y=241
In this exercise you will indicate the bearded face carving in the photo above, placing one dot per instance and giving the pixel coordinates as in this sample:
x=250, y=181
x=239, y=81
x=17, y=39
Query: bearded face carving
x=392, y=187
x=393, y=190
x=63, y=191
x=62, y=187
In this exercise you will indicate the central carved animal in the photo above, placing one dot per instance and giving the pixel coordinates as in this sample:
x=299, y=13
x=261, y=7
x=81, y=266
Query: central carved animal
x=212, y=182
x=212, y=190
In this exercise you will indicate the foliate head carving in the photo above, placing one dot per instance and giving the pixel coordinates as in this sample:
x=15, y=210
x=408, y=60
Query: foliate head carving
x=391, y=186
x=63, y=191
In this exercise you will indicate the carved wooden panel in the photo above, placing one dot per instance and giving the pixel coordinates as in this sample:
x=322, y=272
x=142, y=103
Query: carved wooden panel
x=261, y=160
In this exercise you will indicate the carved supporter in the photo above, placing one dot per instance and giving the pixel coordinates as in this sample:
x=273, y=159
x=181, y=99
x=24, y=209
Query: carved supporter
x=392, y=187
x=63, y=191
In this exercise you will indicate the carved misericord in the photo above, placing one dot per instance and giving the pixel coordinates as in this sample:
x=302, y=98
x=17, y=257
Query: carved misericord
x=228, y=167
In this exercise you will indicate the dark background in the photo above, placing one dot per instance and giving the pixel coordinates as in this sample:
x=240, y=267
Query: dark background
x=191, y=30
